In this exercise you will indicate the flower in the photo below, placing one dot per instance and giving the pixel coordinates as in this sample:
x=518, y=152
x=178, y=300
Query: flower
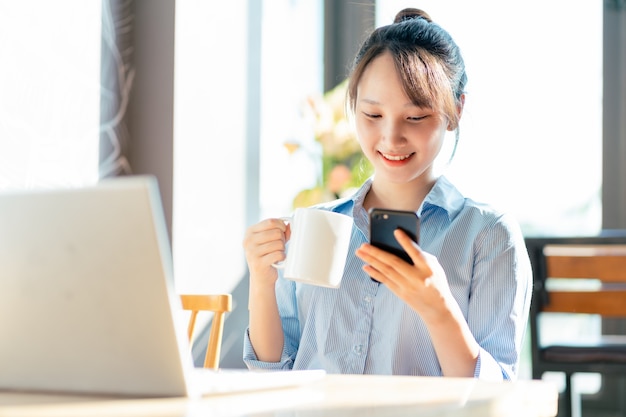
x=344, y=167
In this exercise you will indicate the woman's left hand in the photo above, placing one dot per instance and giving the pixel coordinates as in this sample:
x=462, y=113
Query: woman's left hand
x=423, y=285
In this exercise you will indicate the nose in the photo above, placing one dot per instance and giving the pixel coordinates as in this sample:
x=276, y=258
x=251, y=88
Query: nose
x=393, y=133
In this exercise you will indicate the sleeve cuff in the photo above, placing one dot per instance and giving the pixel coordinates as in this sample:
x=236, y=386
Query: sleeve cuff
x=487, y=368
x=252, y=362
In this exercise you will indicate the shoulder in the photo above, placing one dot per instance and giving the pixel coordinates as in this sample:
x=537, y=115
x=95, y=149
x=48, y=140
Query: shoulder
x=494, y=230
x=340, y=205
x=490, y=215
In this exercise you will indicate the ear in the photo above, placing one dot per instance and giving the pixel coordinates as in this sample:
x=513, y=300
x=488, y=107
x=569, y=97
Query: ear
x=459, y=107
x=459, y=112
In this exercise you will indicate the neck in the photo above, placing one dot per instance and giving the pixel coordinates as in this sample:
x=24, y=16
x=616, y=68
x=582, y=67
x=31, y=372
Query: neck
x=396, y=196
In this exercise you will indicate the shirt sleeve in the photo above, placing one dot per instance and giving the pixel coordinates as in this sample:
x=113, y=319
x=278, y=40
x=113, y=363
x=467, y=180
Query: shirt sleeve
x=252, y=362
x=487, y=368
x=286, y=299
x=500, y=299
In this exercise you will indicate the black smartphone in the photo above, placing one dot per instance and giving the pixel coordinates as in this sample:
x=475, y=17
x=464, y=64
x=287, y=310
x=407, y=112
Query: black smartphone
x=383, y=222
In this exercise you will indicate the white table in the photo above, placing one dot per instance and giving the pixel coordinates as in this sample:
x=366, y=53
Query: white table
x=335, y=395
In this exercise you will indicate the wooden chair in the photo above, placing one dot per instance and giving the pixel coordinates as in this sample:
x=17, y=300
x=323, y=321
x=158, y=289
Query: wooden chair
x=602, y=261
x=219, y=304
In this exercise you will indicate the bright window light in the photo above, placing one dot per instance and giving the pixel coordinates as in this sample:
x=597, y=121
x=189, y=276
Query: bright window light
x=49, y=93
x=531, y=132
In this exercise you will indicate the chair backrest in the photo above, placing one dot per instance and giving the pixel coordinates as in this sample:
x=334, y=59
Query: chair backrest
x=219, y=304
x=604, y=265
x=599, y=258
x=576, y=276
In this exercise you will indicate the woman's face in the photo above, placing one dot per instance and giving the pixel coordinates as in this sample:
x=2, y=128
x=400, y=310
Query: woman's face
x=400, y=139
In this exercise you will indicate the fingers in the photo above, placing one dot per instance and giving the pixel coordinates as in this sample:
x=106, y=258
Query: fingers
x=384, y=266
x=264, y=243
x=267, y=224
x=411, y=248
x=423, y=285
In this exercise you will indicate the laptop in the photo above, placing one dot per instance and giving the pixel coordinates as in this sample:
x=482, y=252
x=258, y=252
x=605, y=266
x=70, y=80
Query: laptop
x=87, y=300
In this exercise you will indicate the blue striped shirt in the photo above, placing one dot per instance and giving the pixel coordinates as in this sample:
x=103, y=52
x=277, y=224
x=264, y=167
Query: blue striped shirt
x=363, y=328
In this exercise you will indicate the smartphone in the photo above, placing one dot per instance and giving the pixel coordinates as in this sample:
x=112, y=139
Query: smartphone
x=383, y=222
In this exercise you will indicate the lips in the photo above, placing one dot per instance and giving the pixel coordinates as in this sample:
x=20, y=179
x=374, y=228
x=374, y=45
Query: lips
x=391, y=157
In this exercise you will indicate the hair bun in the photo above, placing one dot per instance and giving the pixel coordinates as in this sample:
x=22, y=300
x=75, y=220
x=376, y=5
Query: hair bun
x=411, y=13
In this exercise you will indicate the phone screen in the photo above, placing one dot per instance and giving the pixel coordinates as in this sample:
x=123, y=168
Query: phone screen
x=383, y=222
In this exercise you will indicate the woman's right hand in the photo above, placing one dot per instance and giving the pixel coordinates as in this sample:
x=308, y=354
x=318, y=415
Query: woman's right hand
x=264, y=245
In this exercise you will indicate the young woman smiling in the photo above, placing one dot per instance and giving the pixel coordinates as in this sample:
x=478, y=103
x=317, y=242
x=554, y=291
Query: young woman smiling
x=461, y=308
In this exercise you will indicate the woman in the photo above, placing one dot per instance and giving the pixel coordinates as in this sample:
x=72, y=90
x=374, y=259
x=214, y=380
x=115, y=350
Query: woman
x=461, y=309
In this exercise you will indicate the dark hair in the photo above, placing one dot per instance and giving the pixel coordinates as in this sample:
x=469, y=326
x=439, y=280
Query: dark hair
x=426, y=57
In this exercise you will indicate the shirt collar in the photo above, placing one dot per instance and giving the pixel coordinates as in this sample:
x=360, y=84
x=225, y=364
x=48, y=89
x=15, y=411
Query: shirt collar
x=443, y=195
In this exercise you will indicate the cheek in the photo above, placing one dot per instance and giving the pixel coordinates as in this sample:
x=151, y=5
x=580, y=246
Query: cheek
x=365, y=135
x=437, y=141
x=366, y=144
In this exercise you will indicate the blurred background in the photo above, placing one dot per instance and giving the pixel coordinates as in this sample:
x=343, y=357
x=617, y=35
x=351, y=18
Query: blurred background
x=237, y=109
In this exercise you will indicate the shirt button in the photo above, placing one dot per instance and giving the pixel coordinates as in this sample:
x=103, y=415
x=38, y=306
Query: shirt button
x=367, y=299
x=358, y=349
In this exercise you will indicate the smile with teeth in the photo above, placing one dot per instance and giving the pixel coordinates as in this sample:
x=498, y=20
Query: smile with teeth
x=396, y=157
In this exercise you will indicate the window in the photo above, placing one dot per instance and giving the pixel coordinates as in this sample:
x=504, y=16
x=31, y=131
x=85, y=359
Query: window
x=531, y=132
x=292, y=71
x=209, y=145
x=49, y=93
x=212, y=118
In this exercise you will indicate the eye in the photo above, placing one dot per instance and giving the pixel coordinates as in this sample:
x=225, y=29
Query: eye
x=416, y=118
x=371, y=115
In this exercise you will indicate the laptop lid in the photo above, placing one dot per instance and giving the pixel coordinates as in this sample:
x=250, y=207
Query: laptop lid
x=87, y=292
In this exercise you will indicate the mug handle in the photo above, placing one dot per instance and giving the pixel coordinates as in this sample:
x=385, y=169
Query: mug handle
x=281, y=264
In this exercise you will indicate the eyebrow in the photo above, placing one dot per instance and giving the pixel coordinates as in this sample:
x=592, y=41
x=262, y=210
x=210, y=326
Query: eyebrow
x=375, y=102
x=369, y=101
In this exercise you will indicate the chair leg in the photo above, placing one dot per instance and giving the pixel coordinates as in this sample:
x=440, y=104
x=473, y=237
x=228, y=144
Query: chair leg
x=567, y=397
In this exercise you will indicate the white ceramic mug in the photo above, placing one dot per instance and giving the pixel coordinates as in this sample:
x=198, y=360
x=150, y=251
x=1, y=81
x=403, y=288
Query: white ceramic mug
x=317, y=248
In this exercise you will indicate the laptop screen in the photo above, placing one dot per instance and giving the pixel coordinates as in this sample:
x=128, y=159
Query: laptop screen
x=86, y=292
